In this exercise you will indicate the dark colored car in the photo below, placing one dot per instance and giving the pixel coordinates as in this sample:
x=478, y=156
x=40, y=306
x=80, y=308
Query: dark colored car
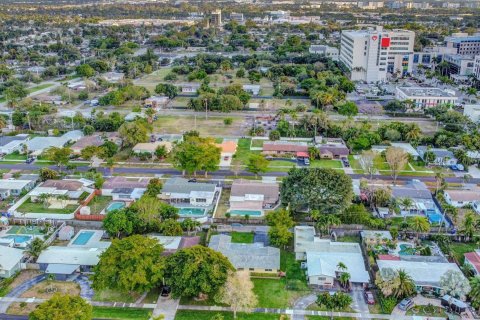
x=405, y=304
x=369, y=297
x=29, y=160
x=165, y=291
x=192, y=180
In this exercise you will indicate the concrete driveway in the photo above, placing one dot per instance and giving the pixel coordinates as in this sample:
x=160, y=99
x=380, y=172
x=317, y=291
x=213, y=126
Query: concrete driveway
x=19, y=290
x=359, y=303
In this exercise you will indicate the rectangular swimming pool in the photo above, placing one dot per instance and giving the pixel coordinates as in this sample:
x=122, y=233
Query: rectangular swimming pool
x=189, y=212
x=18, y=238
x=83, y=237
x=251, y=213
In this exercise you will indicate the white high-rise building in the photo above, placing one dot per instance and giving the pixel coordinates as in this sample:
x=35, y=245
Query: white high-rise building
x=371, y=54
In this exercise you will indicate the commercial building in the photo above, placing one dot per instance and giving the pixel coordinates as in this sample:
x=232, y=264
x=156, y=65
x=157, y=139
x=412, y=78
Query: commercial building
x=327, y=51
x=216, y=18
x=425, y=97
x=237, y=17
x=371, y=54
x=461, y=65
x=476, y=66
x=464, y=44
x=472, y=111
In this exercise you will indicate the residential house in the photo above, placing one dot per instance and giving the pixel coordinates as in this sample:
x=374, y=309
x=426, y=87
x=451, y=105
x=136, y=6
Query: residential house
x=65, y=261
x=112, y=186
x=461, y=198
x=472, y=260
x=253, y=195
x=172, y=244
x=418, y=192
x=48, y=99
x=151, y=147
x=113, y=77
x=10, y=144
x=12, y=187
x=10, y=260
x=179, y=190
x=37, y=145
x=189, y=87
x=323, y=257
x=407, y=147
x=96, y=140
x=253, y=89
x=127, y=194
x=77, y=85
x=284, y=148
x=331, y=148
x=443, y=157
x=157, y=102
x=426, y=274
x=228, y=149
x=375, y=237
x=254, y=257
x=73, y=189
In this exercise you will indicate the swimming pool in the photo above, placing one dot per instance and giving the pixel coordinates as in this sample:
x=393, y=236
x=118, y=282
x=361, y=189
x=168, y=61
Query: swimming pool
x=185, y=212
x=251, y=213
x=435, y=218
x=18, y=238
x=83, y=237
x=406, y=249
x=116, y=205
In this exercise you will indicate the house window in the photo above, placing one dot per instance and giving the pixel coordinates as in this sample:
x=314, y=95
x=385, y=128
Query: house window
x=268, y=269
x=322, y=278
x=240, y=269
x=251, y=269
x=201, y=200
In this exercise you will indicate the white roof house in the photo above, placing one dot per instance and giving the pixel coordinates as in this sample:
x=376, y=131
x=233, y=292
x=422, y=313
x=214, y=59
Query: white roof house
x=12, y=184
x=323, y=256
x=407, y=147
x=81, y=256
x=38, y=144
x=10, y=259
x=422, y=273
x=9, y=144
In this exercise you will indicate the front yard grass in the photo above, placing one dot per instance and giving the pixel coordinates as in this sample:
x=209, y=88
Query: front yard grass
x=333, y=164
x=243, y=151
x=272, y=293
x=427, y=311
x=242, y=237
x=37, y=207
x=459, y=249
x=121, y=313
x=207, y=315
x=115, y=296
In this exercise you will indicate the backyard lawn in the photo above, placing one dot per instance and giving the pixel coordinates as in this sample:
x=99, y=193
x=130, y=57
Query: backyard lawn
x=99, y=203
x=207, y=315
x=121, y=313
x=242, y=237
x=459, y=249
x=38, y=207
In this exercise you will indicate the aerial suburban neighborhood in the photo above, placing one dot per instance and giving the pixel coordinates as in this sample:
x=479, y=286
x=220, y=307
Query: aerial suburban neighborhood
x=239, y=159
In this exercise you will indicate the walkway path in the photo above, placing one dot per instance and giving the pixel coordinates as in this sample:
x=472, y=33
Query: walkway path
x=302, y=304
x=166, y=307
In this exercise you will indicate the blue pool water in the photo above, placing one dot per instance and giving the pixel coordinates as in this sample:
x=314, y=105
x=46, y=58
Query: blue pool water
x=191, y=212
x=117, y=205
x=18, y=239
x=251, y=213
x=435, y=218
x=83, y=237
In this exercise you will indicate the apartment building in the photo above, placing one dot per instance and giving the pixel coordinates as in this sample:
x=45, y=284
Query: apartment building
x=424, y=97
x=372, y=53
x=464, y=44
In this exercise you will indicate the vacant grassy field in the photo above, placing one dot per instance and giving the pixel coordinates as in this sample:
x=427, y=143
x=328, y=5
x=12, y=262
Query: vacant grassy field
x=213, y=126
x=121, y=313
x=242, y=237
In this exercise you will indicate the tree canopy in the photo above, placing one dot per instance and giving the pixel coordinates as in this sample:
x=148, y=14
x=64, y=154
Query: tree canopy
x=63, y=307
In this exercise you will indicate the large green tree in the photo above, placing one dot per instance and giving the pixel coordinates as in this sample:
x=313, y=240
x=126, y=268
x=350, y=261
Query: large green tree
x=196, y=153
x=132, y=264
x=134, y=132
x=60, y=156
x=196, y=270
x=63, y=307
x=326, y=190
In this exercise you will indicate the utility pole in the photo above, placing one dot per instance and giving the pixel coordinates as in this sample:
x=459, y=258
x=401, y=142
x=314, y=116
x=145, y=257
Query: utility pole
x=206, y=108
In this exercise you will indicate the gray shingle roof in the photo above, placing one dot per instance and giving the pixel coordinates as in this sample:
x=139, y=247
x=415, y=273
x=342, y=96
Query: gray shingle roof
x=246, y=255
x=180, y=185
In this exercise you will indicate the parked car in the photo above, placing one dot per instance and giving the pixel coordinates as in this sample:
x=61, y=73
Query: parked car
x=192, y=180
x=369, y=299
x=29, y=160
x=165, y=291
x=405, y=304
x=306, y=161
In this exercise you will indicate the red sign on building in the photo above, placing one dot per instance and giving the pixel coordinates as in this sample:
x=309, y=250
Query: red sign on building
x=385, y=42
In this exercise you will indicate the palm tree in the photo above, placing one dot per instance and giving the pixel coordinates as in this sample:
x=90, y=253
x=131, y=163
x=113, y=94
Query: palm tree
x=419, y=224
x=439, y=179
x=35, y=248
x=190, y=225
x=403, y=285
x=341, y=266
x=326, y=221
x=344, y=279
x=475, y=291
x=407, y=204
x=44, y=198
x=468, y=225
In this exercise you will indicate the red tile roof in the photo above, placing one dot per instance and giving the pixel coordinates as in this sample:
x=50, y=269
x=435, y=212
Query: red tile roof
x=474, y=259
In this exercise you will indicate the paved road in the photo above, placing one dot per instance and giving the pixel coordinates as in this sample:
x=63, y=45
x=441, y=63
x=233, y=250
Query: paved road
x=220, y=174
x=302, y=304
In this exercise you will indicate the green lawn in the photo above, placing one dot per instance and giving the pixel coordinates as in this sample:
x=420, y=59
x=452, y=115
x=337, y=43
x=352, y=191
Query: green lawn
x=349, y=239
x=15, y=156
x=257, y=143
x=272, y=293
x=459, y=249
x=98, y=204
x=114, y=296
x=242, y=237
x=121, y=313
x=427, y=311
x=38, y=207
x=280, y=166
x=243, y=151
x=207, y=315
x=333, y=164
x=39, y=87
